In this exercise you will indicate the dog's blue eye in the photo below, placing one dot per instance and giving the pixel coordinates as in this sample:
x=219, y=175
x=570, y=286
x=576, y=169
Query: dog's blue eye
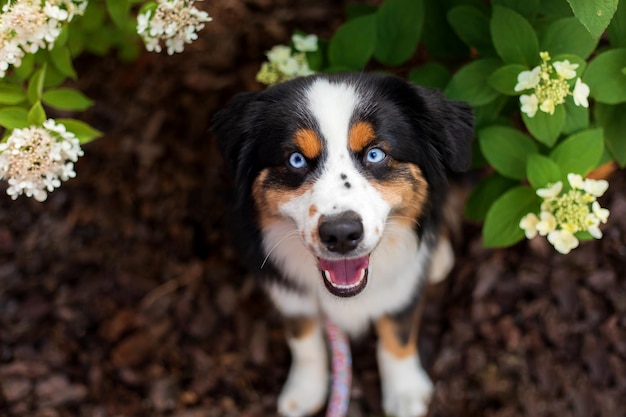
x=375, y=155
x=297, y=160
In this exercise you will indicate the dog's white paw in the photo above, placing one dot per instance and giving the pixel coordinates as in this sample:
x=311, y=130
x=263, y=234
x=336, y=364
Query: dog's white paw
x=406, y=388
x=306, y=388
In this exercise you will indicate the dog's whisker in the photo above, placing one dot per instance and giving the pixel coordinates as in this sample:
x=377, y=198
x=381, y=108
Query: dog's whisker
x=282, y=239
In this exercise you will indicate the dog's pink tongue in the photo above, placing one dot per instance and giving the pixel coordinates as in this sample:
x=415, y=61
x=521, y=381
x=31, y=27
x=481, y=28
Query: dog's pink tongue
x=344, y=272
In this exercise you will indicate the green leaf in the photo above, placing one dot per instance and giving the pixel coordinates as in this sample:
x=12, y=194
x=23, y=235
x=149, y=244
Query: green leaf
x=398, y=28
x=14, y=118
x=430, y=74
x=352, y=45
x=542, y=171
x=595, y=15
x=567, y=36
x=501, y=226
x=36, y=114
x=119, y=11
x=526, y=8
x=35, y=85
x=513, y=37
x=26, y=69
x=470, y=82
x=506, y=149
x=504, y=79
x=612, y=119
x=580, y=152
x=66, y=99
x=62, y=60
x=605, y=77
x=576, y=118
x=11, y=94
x=546, y=127
x=616, y=31
x=484, y=194
x=354, y=10
x=82, y=130
x=472, y=26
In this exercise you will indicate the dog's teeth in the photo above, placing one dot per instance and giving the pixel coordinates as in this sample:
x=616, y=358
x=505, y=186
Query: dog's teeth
x=327, y=275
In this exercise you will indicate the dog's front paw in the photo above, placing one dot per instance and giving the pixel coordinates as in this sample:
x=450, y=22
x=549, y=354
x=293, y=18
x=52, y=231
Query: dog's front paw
x=406, y=388
x=305, y=391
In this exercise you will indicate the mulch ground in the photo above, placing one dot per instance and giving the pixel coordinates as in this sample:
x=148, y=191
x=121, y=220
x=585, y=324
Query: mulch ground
x=122, y=294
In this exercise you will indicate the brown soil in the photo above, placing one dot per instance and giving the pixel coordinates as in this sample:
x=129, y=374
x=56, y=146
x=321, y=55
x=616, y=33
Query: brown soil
x=122, y=294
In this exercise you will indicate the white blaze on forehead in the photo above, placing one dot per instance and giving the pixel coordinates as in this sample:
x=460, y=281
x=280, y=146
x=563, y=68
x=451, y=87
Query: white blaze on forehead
x=332, y=106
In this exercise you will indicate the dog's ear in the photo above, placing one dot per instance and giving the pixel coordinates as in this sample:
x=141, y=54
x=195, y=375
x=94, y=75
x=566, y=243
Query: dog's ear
x=232, y=125
x=455, y=120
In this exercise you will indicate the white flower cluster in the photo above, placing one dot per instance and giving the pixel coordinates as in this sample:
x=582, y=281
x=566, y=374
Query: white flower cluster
x=29, y=25
x=175, y=22
x=563, y=215
x=284, y=63
x=36, y=159
x=550, y=90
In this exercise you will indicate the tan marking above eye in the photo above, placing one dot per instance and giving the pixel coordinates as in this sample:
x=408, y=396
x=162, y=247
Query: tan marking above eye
x=361, y=134
x=308, y=142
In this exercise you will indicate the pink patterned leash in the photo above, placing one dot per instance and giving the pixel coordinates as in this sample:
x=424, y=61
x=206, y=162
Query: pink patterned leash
x=341, y=377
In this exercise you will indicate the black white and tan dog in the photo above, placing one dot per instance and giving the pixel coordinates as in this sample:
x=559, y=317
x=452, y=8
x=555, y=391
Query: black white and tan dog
x=341, y=181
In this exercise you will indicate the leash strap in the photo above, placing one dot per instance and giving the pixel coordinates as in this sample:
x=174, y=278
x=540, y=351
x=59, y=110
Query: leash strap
x=341, y=364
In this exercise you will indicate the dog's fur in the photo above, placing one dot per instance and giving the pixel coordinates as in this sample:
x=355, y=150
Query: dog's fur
x=341, y=181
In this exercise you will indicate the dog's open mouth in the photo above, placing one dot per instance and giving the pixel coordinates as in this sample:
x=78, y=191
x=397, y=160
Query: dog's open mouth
x=345, y=277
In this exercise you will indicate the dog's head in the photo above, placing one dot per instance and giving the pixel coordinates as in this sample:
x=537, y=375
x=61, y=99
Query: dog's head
x=340, y=157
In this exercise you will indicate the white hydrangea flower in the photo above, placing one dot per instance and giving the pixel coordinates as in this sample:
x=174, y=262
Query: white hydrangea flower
x=581, y=93
x=565, y=69
x=305, y=43
x=529, y=225
x=35, y=160
x=563, y=215
x=551, y=191
x=173, y=22
x=529, y=103
x=278, y=53
x=527, y=79
x=29, y=25
x=550, y=86
x=563, y=241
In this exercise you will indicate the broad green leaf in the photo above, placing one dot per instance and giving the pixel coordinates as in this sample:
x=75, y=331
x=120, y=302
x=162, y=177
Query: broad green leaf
x=484, y=194
x=513, y=37
x=82, y=130
x=489, y=114
x=119, y=11
x=430, y=74
x=576, y=117
x=613, y=122
x=11, y=94
x=567, y=36
x=605, y=77
x=62, y=60
x=14, y=118
x=546, y=127
x=66, y=99
x=616, y=31
x=438, y=37
x=470, y=82
x=398, y=28
x=504, y=79
x=352, y=45
x=35, y=85
x=354, y=10
x=507, y=150
x=542, y=171
x=580, y=152
x=36, y=114
x=526, y=8
x=501, y=226
x=472, y=26
x=595, y=15
x=26, y=69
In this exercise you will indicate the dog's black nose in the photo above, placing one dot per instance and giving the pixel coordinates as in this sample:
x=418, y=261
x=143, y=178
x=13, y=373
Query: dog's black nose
x=341, y=233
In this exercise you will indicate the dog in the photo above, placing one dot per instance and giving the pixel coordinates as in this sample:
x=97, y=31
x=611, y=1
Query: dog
x=340, y=185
